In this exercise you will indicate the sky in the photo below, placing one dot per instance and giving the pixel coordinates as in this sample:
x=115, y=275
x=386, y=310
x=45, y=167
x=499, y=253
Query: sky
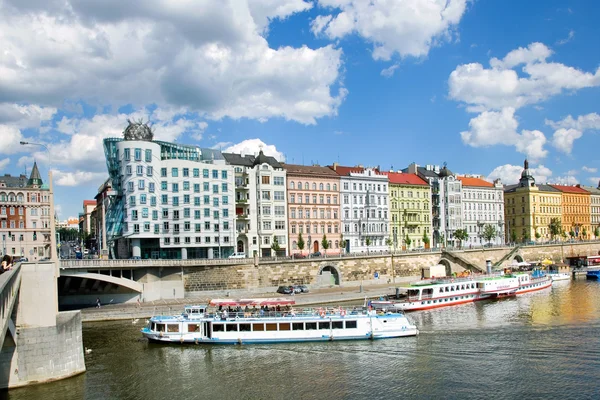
x=479, y=85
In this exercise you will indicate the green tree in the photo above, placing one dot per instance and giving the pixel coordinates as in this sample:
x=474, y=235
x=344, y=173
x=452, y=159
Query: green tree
x=489, y=232
x=342, y=244
x=325, y=244
x=425, y=239
x=368, y=243
x=513, y=236
x=563, y=234
x=537, y=235
x=584, y=233
x=389, y=243
x=408, y=241
x=461, y=235
x=597, y=232
x=300, y=241
x=555, y=227
x=275, y=245
x=572, y=233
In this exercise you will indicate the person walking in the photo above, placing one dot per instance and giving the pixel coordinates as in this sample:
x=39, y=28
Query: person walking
x=98, y=302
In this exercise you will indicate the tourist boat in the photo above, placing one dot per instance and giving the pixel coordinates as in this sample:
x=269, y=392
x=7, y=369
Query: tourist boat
x=593, y=274
x=559, y=276
x=434, y=293
x=274, y=321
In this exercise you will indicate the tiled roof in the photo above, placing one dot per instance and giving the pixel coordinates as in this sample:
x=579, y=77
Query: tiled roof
x=570, y=189
x=405, y=179
x=548, y=188
x=593, y=190
x=14, y=181
x=89, y=202
x=317, y=170
x=478, y=182
x=248, y=160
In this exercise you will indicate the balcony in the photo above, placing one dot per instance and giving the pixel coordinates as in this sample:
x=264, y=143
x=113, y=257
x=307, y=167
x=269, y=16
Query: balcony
x=241, y=186
x=242, y=216
x=241, y=201
x=243, y=231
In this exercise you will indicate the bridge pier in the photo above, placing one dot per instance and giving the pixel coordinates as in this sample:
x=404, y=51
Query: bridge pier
x=46, y=345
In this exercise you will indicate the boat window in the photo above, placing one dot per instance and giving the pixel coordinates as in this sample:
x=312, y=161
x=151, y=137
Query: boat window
x=298, y=326
x=311, y=326
x=258, y=327
x=160, y=327
x=413, y=292
x=173, y=327
x=447, y=289
x=324, y=325
x=452, y=288
x=244, y=327
x=337, y=324
x=350, y=324
x=193, y=328
x=218, y=328
x=152, y=326
x=462, y=287
x=284, y=326
x=271, y=327
x=231, y=327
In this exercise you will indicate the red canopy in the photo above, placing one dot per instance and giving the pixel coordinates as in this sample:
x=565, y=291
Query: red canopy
x=252, y=302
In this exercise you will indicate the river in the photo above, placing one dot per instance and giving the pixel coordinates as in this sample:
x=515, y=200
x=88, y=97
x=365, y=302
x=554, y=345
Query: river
x=539, y=345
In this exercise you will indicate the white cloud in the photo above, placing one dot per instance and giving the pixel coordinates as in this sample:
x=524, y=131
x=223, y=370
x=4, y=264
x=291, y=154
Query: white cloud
x=11, y=136
x=595, y=180
x=565, y=180
x=592, y=170
x=389, y=72
x=501, y=86
x=253, y=146
x=569, y=129
x=25, y=116
x=4, y=163
x=406, y=28
x=77, y=178
x=492, y=128
x=567, y=39
x=209, y=57
x=510, y=174
x=221, y=145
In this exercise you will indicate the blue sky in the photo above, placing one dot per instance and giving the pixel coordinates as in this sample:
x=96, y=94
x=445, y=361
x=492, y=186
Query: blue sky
x=477, y=84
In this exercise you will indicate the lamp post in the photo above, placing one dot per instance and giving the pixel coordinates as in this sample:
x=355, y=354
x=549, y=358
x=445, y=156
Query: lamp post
x=53, y=248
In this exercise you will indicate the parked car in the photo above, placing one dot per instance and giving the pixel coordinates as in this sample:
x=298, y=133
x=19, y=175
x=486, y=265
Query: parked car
x=285, y=290
x=135, y=258
x=316, y=254
x=238, y=255
x=298, y=255
x=300, y=289
x=23, y=259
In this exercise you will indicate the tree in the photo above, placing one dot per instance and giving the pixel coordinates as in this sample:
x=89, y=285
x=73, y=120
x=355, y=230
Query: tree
x=563, y=234
x=368, y=243
x=389, y=242
x=325, y=244
x=537, y=235
x=461, y=235
x=584, y=233
x=572, y=233
x=597, y=232
x=300, y=241
x=275, y=245
x=489, y=232
x=555, y=227
x=426, y=239
x=443, y=239
x=407, y=241
x=342, y=244
x=513, y=236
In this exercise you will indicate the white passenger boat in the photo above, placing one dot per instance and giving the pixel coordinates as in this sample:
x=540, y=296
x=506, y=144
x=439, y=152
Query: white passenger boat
x=274, y=321
x=444, y=292
x=559, y=276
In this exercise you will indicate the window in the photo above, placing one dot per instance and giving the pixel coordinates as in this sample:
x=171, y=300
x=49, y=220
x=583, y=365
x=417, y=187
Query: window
x=163, y=172
x=128, y=170
x=196, y=201
x=278, y=196
x=134, y=215
x=206, y=186
x=138, y=154
x=265, y=180
x=266, y=195
x=279, y=225
x=278, y=181
x=127, y=154
x=141, y=184
x=196, y=214
x=175, y=187
x=223, y=174
x=164, y=199
x=215, y=188
x=153, y=200
x=225, y=213
x=224, y=187
x=136, y=228
x=216, y=202
x=175, y=200
x=142, y=199
x=186, y=172
x=186, y=185
x=130, y=186
x=280, y=210
x=207, y=212
x=196, y=173
x=205, y=173
x=151, y=187
x=154, y=214
x=206, y=199
x=163, y=185
x=196, y=188
x=174, y=172
x=148, y=155
x=225, y=200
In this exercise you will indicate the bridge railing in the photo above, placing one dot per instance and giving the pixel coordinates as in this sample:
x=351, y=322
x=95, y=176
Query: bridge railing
x=10, y=282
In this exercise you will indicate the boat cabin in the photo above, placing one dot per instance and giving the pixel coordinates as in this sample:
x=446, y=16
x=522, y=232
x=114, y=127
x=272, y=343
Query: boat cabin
x=195, y=312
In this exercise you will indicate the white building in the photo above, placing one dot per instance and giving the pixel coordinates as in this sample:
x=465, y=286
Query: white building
x=483, y=204
x=446, y=202
x=172, y=201
x=260, y=204
x=365, y=208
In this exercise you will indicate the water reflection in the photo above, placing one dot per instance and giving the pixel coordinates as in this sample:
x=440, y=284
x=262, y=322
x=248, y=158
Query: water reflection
x=543, y=344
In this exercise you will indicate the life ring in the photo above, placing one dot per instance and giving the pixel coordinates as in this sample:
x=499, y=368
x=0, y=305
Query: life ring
x=322, y=314
x=343, y=312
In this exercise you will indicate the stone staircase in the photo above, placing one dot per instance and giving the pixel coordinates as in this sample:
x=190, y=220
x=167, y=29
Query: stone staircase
x=506, y=257
x=466, y=264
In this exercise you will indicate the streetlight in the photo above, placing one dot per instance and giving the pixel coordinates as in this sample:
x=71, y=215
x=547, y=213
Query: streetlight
x=53, y=248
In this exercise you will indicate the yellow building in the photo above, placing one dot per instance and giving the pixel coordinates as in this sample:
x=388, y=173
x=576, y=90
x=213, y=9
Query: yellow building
x=529, y=209
x=576, y=205
x=410, y=210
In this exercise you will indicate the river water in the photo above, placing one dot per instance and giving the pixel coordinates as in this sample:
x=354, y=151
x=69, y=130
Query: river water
x=539, y=345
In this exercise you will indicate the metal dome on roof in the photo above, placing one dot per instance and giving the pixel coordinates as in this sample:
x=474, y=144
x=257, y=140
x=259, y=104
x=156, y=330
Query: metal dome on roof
x=138, y=131
x=445, y=172
x=260, y=159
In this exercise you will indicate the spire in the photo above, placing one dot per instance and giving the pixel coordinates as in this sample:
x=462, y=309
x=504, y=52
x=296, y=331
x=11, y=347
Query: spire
x=35, y=179
x=527, y=179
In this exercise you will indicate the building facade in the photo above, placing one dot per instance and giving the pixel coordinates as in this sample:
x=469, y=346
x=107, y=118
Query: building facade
x=25, y=216
x=576, y=207
x=594, y=210
x=483, y=204
x=86, y=222
x=171, y=201
x=260, y=204
x=313, y=209
x=410, y=211
x=364, y=209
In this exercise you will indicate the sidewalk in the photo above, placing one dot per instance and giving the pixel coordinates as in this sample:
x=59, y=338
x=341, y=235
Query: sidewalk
x=171, y=307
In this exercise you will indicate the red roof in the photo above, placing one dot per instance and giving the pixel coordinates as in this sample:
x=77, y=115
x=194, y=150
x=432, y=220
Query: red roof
x=89, y=202
x=570, y=189
x=469, y=181
x=345, y=171
x=405, y=179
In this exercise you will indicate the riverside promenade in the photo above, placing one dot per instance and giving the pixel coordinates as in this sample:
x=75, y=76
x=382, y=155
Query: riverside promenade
x=111, y=312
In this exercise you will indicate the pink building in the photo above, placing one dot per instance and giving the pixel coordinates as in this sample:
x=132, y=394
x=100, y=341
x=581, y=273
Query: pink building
x=313, y=194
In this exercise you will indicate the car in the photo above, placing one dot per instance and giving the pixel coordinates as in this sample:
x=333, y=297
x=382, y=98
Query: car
x=298, y=255
x=300, y=289
x=238, y=255
x=285, y=290
x=23, y=259
x=316, y=254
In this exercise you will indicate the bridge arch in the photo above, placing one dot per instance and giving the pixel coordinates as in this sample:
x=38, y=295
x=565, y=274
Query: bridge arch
x=333, y=270
x=518, y=257
x=448, y=266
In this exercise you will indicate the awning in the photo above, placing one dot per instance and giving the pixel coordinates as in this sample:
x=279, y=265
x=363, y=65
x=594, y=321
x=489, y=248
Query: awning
x=547, y=262
x=252, y=302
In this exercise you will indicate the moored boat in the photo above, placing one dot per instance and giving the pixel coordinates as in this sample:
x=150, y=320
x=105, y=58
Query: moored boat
x=274, y=321
x=559, y=276
x=593, y=274
x=436, y=293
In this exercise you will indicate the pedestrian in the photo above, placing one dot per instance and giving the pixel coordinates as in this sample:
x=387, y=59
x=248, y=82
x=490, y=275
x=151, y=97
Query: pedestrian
x=98, y=302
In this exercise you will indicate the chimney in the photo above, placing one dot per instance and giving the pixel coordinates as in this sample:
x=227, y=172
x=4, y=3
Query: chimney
x=335, y=165
x=360, y=166
x=578, y=185
x=412, y=168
